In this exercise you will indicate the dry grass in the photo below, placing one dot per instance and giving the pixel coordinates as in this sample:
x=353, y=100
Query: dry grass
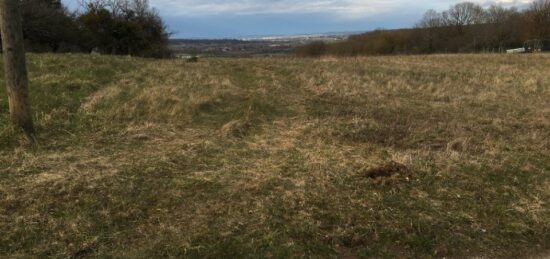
x=417, y=156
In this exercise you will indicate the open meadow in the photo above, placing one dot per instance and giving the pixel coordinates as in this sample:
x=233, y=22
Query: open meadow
x=399, y=156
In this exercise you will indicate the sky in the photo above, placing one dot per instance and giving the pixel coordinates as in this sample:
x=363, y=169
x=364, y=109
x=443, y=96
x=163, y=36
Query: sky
x=249, y=18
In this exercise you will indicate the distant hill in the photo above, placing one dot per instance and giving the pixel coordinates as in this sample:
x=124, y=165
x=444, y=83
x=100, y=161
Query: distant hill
x=251, y=46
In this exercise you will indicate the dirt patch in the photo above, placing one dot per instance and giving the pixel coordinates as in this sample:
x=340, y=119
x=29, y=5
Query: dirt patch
x=389, y=173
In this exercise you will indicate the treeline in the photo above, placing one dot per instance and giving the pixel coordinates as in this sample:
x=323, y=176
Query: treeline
x=464, y=27
x=118, y=27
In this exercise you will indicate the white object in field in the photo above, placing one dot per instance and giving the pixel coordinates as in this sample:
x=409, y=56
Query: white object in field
x=513, y=51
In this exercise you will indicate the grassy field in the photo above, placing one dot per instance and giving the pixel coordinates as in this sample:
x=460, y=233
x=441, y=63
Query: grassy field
x=416, y=156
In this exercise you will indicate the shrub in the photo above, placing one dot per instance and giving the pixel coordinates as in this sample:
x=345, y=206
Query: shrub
x=314, y=49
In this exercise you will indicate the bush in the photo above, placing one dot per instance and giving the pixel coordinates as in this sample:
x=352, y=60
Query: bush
x=314, y=49
x=193, y=59
x=119, y=27
x=48, y=27
x=125, y=28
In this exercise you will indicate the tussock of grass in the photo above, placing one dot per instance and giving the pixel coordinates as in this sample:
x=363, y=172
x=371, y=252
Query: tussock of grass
x=417, y=156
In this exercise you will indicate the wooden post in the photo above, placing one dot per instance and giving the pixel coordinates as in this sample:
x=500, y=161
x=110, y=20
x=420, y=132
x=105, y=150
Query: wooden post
x=14, y=65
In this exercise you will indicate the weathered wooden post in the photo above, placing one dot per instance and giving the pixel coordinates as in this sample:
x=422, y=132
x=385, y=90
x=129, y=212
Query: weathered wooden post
x=14, y=65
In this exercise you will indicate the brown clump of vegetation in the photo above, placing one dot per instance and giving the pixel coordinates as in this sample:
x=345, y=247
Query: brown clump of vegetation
x=391, y=170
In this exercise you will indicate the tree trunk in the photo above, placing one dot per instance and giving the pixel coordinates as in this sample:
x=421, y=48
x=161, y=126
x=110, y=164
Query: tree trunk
x=14, y=65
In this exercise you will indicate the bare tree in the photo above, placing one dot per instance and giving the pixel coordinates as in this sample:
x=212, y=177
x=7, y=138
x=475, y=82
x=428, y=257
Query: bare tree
x=14, y=65
x=539, y=13
x=141, y=7
x=502, y=23
x=431, y=22
x=497, y=14
x=466, y=13
x=431, y=19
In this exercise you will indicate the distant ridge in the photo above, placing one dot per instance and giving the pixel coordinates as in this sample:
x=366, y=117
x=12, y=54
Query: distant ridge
x=276, y=37
x=299, y=36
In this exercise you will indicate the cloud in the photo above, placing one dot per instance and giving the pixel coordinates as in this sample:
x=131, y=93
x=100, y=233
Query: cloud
x=340, y=8
x=247, y=7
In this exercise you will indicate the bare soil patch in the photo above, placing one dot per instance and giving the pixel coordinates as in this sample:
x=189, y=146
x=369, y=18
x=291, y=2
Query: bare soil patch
x=390, y=172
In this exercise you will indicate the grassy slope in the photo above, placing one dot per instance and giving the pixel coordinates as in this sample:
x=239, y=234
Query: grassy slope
x=266, y=157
